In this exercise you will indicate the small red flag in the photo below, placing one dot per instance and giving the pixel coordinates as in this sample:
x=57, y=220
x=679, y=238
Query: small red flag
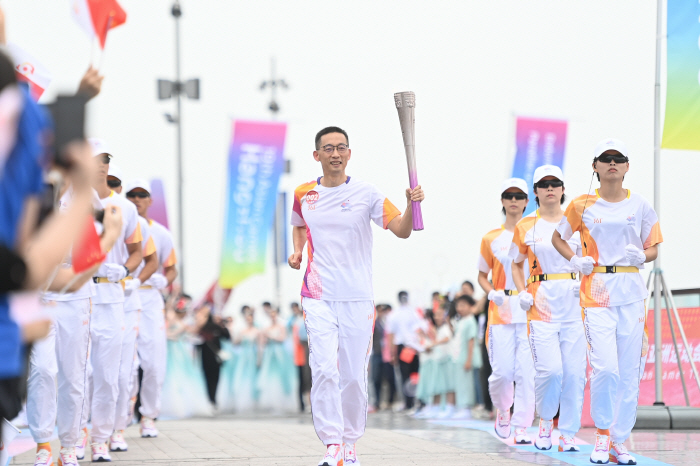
x=97, y=17
x=87, y=250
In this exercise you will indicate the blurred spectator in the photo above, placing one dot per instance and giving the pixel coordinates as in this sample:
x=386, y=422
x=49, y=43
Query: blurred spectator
x=381, y=367
x=211, y=330
x=300, y=342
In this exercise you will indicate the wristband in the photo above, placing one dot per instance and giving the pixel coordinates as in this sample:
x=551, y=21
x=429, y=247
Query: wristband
x=127, y=270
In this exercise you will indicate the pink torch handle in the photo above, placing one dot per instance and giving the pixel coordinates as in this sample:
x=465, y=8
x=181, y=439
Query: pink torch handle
x=415, y=206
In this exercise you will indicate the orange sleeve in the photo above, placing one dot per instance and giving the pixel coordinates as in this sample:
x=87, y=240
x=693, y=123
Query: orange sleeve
x=171, y=260
x=655, y=237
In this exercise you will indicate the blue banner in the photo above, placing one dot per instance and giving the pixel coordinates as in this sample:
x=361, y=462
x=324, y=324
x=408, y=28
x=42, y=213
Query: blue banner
x=538, y=142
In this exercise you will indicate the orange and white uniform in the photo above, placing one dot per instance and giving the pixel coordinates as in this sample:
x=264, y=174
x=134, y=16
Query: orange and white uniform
x=337, y=298
x=555, y=332
x=506, y=335
x=613, y=303
x=152, y=342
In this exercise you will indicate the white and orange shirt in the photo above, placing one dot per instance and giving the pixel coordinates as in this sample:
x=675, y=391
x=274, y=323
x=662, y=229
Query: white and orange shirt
x=148, y=247
x=555, y=300
x=606, y=229
x=494, y=257
x=151, y=298
x=109, y=293
x=339, y=237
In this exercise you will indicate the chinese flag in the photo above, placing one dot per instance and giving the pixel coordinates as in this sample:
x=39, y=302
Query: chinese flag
x=97, y=17
x=87, y=251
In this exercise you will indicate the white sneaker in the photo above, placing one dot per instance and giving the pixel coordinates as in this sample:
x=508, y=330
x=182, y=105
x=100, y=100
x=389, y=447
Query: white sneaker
x=447, y=413
x=428, y=412
x=148, y=428
x=81, y=445
x=544, y=438
x=43, y=458
x=117, y=442
x=66, y=457
x=619, y=452
x=601, y=451
x=350, y=455
x=502, y=425
x=100, y=453
x=521, y=437
x=333, y=457
x=567, y=443
x=462, y=414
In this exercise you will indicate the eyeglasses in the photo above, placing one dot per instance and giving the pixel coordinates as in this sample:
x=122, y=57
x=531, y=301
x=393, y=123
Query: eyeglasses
x=330, y=148
x=517, y=196
x=114, y=183
x=617, y=158
x=139, y=194
x=545, y=184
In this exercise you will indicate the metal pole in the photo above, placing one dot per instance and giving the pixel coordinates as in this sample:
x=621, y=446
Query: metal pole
x=669, y=296
x=658, y=373
x=177, y=12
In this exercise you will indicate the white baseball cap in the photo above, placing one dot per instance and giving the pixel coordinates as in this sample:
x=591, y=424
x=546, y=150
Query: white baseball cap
x=514, y=183
x=115, y=172
x=547, y=170
x=610, y=144
x=139, y=183
x=99, y=146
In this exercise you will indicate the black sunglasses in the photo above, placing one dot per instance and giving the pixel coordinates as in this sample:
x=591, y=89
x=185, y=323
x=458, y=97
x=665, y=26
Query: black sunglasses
x=617, y=158
x=517, y=196
x=114, y=183
x=545, y=184
x=106, y=159
x=139, y=194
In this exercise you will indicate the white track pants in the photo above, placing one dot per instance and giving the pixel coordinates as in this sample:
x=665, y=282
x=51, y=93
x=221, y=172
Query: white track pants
x=57, y=374
x=131, y=324
x=559, y=354
x=152, y=352
x=107, y=333
x=511, y=361
x=615, y=337
x=340, y=340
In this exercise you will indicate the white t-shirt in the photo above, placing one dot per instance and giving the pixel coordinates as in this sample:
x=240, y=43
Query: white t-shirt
x=555, y=300
x=404, y=323
x=85, y=291
x=132, y=302
x=442, y=351
x=110, y=293
x=607, y=228
x=152, y=299
x=339, y=237
x=495, y=248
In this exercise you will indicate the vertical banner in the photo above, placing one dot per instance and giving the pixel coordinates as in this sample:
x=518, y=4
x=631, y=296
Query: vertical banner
x=158, y=210
x=280, y=230
x=256, y=161
x=537, y=142
x=682, y=121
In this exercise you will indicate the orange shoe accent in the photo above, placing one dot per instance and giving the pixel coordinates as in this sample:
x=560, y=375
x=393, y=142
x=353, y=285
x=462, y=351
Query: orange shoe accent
x=43, y=446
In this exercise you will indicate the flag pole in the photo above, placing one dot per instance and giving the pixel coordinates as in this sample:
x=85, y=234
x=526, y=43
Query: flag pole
x=658, y=347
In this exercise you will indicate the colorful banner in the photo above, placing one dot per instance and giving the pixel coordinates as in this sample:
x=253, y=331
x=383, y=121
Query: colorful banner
x=158, y=210
x=537, y=142
x=256, y=161
x=672, y=385
x=682, y=121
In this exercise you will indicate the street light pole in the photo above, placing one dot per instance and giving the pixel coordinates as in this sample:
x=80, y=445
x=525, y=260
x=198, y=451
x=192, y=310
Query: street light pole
x=177, y=13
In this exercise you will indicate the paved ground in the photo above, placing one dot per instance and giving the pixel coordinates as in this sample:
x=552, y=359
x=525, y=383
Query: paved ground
x=391, y=440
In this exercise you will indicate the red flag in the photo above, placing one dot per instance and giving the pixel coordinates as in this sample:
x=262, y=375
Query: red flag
x=97, y=17
x=87, y=251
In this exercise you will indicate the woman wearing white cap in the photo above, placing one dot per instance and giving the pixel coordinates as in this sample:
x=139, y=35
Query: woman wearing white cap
x=619, y=232
x=506, y=337
x=550, y=298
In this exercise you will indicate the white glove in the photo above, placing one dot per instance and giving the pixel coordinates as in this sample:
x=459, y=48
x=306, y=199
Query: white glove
x=582, y=264
x=498, y=297
x=635, y=256
x=576, y=288
x=131, y=285
x=115, y=272
x=157, y=281
x=526, y=300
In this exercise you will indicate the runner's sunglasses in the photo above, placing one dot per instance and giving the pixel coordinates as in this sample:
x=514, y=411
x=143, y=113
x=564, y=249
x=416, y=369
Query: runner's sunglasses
x=517, y=196
x=139, y=194
x=545, y=184
x=607, y=158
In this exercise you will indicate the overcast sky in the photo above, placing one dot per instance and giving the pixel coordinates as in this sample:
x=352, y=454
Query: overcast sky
x=472, y=64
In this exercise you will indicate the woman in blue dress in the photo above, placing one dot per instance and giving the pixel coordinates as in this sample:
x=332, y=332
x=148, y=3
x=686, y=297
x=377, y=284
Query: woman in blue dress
x=277, y=379
x=245, y=371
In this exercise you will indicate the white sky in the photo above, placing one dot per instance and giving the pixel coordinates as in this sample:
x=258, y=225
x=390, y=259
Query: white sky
x=473, y=66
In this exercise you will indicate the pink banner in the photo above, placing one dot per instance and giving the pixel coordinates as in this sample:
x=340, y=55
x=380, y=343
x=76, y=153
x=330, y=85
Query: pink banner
x=158, y=210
